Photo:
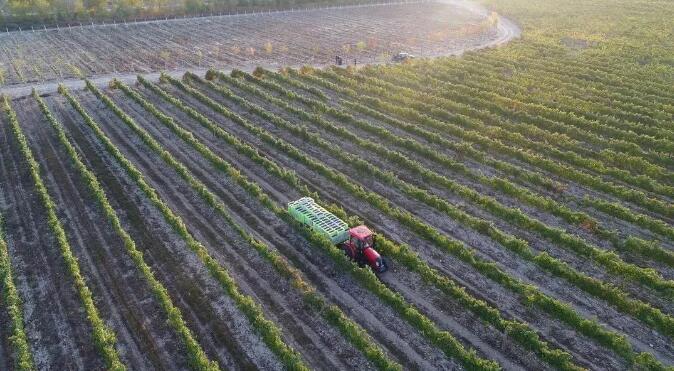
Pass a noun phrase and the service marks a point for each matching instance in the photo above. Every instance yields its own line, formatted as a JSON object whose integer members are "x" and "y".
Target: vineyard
{"x": 523, "y": 195}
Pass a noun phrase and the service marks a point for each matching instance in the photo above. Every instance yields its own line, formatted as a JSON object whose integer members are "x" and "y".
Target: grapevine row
{"x": 10, "y": 296}
{"x": 197, "y": 356}
{"x": 269, "y": 332}
{"x": 104, "y": 337}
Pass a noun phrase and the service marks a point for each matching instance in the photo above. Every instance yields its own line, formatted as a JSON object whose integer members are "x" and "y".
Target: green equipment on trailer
{"x": 358, "y": 243}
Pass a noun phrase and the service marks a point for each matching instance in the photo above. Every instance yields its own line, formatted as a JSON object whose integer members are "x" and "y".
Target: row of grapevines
{"x": 104, "y": 336}
{"x": 12, "y": 300}
{"x": 197, "y": 356}
{"x": 268, "y": 330}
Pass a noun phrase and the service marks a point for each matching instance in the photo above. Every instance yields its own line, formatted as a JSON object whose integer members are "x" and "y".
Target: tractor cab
{"x": 360, "y": 247}
{"x": 361, "y": 237}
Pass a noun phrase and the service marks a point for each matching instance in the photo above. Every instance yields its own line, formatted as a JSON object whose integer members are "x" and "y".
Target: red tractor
{"x": 357, "y": 242}
{"x": 360, "y": 248}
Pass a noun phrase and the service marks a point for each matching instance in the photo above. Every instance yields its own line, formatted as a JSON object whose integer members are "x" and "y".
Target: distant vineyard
{"x": 524, "y": 197}
{"x": 358, "y": 34}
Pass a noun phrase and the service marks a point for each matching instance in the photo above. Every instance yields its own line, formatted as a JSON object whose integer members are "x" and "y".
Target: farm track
{"x": 449, "y": 264}
{"x": 588, "y": 306}
{"x": 55, "y": 322}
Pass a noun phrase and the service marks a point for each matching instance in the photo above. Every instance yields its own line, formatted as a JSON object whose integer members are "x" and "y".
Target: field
{"x": 367, "y": 34}
{"x": 524, "y": 196}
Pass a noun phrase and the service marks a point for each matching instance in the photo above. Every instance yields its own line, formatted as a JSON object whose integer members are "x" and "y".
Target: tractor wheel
{"x": 386, "y": 265}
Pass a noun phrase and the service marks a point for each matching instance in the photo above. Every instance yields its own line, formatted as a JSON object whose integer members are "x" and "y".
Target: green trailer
{"x": 308, "y": 212}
